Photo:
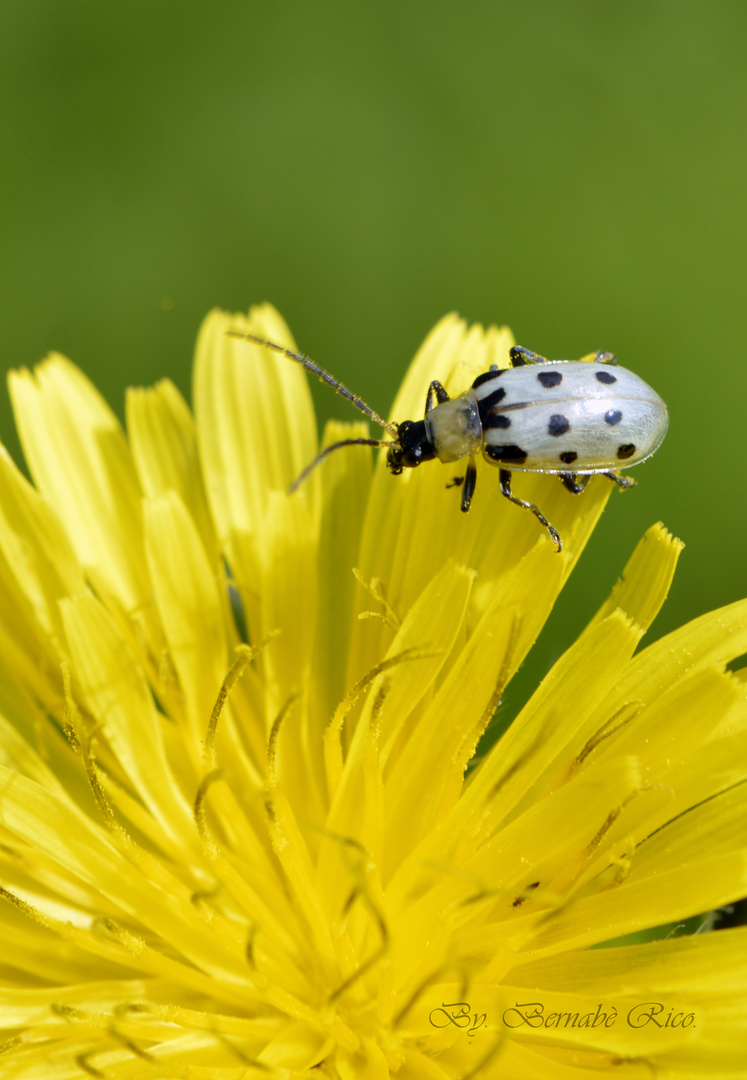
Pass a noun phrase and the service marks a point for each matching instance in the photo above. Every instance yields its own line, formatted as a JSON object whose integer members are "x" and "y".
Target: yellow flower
{"x": 238, "y": 833}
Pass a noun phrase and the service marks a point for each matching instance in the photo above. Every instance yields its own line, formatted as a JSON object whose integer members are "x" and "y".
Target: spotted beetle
{"x": 571, "y": 418}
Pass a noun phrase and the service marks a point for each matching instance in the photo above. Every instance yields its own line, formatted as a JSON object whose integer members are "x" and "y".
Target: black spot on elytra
{"x": 626, "y": 450}
{"x": 568, "y": 457}
{"x": 496, "y": 420}
{"x": 486, "y": 376}
{"x": 606, "y": 377}
{"x": 493, "y": 398}
{"x": 512, "y": 455}
{"x": 558, "y": 425}
{"x": 612, "y": 417}
{"x": 550, "y": 378}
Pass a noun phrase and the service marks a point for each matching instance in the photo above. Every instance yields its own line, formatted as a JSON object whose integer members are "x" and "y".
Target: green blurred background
{"x": 575, "y": 169}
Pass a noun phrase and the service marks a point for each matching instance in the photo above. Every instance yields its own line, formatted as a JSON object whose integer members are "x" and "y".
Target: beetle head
{"x": 413, "y": 446}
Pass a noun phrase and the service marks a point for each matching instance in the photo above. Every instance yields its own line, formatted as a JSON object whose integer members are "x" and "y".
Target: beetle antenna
{"x": 323, "y": 376}
{"x": 328, "y": 450}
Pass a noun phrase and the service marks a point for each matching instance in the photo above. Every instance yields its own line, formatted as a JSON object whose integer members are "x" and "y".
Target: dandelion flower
{"x": 242, "y": 830}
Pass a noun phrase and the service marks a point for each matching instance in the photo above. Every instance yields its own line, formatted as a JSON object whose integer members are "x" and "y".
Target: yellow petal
{"x": 80, "y": 461}
{"x": 164, "y": 449}
{"x": 645, "y": 581}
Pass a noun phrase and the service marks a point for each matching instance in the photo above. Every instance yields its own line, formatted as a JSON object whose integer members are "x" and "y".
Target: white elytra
{"x": 604, "y": 414}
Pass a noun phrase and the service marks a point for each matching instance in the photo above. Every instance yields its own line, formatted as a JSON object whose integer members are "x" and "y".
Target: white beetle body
{"x": 567, "y": 416}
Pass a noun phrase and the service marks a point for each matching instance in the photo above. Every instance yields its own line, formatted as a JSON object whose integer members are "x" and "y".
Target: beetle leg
{"x": 505, "y": 480}
{"x": 621, "y": 481}
{"x": 468, "y": 488}
{"x": 520, "y": 356}
{"x": 435, "y": 389}
{"x": 574, "y": 483}
{"x": 599, "y": 358}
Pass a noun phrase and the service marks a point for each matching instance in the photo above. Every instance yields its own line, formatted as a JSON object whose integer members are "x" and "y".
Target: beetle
{"x": 571, "y": 418}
